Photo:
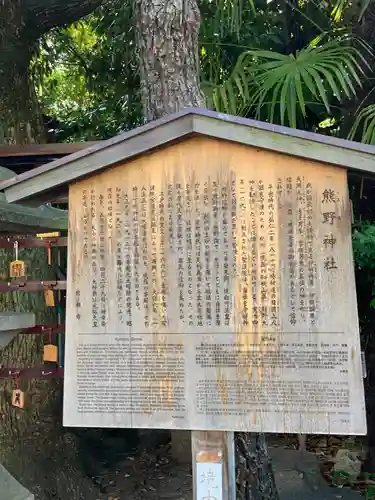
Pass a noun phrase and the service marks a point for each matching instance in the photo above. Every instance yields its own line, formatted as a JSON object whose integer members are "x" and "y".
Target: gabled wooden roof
{"x": 48, "y": 180}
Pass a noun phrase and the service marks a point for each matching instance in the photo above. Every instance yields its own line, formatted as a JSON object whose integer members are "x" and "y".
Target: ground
{"x": 152, "y": 474}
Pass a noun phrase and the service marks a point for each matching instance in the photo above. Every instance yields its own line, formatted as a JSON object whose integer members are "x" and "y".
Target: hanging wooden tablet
{"x": 18, "y": 397}
{"x": 50, "y": 352}
{"x": 17, "y": 268}
{"x": 49, "y": 298}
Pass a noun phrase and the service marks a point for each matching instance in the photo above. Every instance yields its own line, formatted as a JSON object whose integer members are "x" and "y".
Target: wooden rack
{"x": 40, "y": 372}
{"x": 43, "y": 329}
{"x": 22, "y": 285}
{"x": 8, "y": 242}
{"x": 25, "y": 285}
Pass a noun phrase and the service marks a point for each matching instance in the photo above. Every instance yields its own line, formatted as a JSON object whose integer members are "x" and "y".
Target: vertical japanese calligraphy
{"x": 134, "y": 261}
{"x": 163, "y": 265}
{"x": 311, "y": 265}
{"x": 189, "y": 252}
{"x": 102, "y": 266}
{"x": 207, "y": 252}
{"x": 253, "y": 251}
{"x": 244, "y": 255}
{"x": 227, "y": 254}
{"x": 272, "y": 257}
{"x": 144, "y": 257}
{"x": 180, "y": 249}
{"x": 85, "y": 220}
{"x": 119, "y": 254}
{"x": 78, "y": 304}
{"x": 217, "y": 248}
{"x": 291, "y": 222}
{"x": 198, "y": 255}
{"x": 127, "y": 245}
{"x": 301, "y": 248}
{"x": 328, "y": 202}
{"x": 154, "y": 251}
{"x": 94, "y": 260}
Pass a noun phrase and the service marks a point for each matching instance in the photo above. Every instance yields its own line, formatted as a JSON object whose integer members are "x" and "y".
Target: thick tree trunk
{"x": 22, "y": 22}
{"x": 19, "y": 115}
{"x": 255, "y": 479}
{"x": 33, "y": 446}
{"x": 169, "y": 68}
{"x": 168, "y": 33}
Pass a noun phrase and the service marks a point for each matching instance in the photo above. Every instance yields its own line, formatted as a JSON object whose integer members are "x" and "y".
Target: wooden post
{"x": 213, "y": 463}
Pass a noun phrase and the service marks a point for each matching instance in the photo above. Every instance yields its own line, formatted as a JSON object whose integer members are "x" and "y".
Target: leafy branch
{"x": 279, "y": 85}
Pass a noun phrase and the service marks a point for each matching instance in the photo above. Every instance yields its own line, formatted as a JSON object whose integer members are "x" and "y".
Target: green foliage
{"x": 293, "y": 63}
{"x": 364, "y": 245}
{"x": 279, "y": 85}
{"x": 88, "y": 82}
{"x": 297, "y": 63}
{"x": 364, "y": 124}
{"x": 364, "y": 254}
{"x": 341, "y": 6}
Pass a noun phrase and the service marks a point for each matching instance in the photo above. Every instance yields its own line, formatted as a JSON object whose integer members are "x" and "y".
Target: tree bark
{"x": 168, "y": 48}
{"x": 168, "y": 33}
{"x": 42, "y": 15}
{"x": 255, "y": 479}
{"x": 20, "y": 120}
{"x": 33, "y": 445}
{"x": 22, "y": 22}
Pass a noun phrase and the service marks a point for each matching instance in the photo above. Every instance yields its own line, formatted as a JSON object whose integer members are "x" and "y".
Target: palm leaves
{"x": 281, "y": 87}
{"x": 340, "y": 6}
{"x": 229, "y": 14}
{"x": 364, "y": 122}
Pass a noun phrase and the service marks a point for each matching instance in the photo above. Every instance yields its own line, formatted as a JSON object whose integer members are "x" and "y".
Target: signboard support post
{"x": 213, "y": 462}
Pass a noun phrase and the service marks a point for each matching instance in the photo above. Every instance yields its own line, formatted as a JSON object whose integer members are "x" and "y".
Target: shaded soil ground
{"x": 154, "y": 475}
{"x": 148, "y": 476}
{"x": 119, "y": 469}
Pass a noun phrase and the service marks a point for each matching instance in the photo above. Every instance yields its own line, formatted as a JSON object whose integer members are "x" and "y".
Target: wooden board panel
{"x": 211, "y": 287}
{"x": 44, "y": 149}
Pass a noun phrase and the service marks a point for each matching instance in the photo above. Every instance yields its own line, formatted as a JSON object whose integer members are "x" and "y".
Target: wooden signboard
{"x": 211, "y": 287}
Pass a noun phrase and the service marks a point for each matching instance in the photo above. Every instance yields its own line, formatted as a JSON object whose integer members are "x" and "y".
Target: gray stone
{"x": 11, "y": 489}
{"x": 6, "y": 174}
{"x": 298, "y": 477}
{"x": 12, "y": 323}
{"x": 348, "y": 461}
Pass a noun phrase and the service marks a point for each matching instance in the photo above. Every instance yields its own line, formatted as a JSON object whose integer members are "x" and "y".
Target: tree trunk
{"x": 168, "y": 33}
{"x": 255, "y": 479}
{"x": 169, "y": 68}
{"x": 33, "y": 446}
{"x": 19, "y": 115}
